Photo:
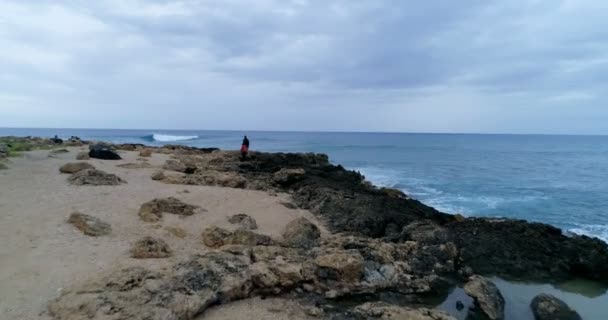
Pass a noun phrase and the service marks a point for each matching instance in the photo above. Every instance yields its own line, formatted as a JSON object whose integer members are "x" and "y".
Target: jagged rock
{"x": 83, "y": 156}
{"x": 547, "y": 307}
{"x": 243, "y": 221}
{"x": 158, "y": 175}
{"x": 89, "y": 225}
{"x": 103, "y": 151}
{"x": 95, "y": 177}
{"x": 248, "y": 238}
{"x": 152, "y": 211}
{"x": 74, "y": 167}
{"x": 381, "y": 310}
{"x": 177, "y": 231}
{"x": 347, "y": 266}
{"x": 486, "y": 296}
{"x": 426, "y": 232}
{"x": 145, "y": 153}
{"x": 214, "y": 237}
{"x": 150, "y": 247}
{"x": 301, "y": 233}
{"x": 288, "y": 176}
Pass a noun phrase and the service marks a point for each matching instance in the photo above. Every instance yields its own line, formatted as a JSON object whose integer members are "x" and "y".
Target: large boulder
{"x": 74, "y": 167}
{"x": 345, "y": 266}
{"x": 486, "y": 296}
{"x": 301, "y": 233}
{"x": 89, "y": 225}
{"x": 243, "y": 221}
{"x": 103, "y": 152}
{"x": 152, "y": 211}
{"x": 547, "y": 307}
{"x": 93, "y": 177}
{"x": 150, "y": 247}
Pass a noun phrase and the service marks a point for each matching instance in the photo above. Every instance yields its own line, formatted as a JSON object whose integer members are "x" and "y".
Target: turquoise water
{"x": 560, "y": 180}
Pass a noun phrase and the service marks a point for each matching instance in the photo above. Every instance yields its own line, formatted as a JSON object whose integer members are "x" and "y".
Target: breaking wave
{"x": 169, "y": 138}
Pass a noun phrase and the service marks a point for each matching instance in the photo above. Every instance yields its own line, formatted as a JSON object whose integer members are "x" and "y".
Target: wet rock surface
{"x": 89, "y": 225}
{"x": 548, "y": 307}
{"x": 74, "y": 167}
{"x": 487, "y": 297}
{"x": 93, "y": 177}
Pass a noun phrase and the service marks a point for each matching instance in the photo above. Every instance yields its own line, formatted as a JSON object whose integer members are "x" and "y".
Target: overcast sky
{"x": 521, "y": 66}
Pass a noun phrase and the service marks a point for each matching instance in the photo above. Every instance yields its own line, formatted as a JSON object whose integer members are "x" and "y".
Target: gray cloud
{"x": 392, "y": 65}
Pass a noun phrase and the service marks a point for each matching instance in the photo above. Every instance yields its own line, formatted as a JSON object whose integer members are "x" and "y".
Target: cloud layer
{"x": 434, "y": 66}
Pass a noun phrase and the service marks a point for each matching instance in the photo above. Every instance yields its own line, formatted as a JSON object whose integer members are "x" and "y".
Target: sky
{"x": 520, "y": 66}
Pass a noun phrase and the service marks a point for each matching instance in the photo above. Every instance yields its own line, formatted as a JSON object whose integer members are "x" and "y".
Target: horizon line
{"x": 319, "y": 131}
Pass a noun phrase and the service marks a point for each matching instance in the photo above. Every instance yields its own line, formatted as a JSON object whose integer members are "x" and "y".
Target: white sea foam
{"x": 380, "y": 176}
{"x": 599, "y": 231}
{"x": 169, "y": 138}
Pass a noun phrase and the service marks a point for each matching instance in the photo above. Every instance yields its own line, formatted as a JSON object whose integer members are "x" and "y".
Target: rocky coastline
{"x": 383, "y": 246}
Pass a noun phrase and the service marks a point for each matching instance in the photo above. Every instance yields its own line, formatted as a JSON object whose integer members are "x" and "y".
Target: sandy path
{"x": 40, "y": 254}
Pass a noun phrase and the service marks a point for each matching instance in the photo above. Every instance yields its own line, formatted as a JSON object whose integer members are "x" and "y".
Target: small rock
{"x": 486, "y": 296}
{"x": 158, "y": 175}
{"x": 89, "y": 225}
{"x": 152, "y": 211}
{"x": 177, "y": 231}
{"x": 313, "y": 311}
{"x": 95, "y": 177}
{"x": 301, "y": 233}
{"x": 55, "y": 152}
{"x": 150, "y": 247}
{"x": 83, "y": 156}
{"x": 137, "y": 165}
{"x": 547, "y": 307}
{"x": 145, "y": 153}
{"x": 214, "y": 237}
{"x": 244, "y": 221}
{"x": 74, "y": 167}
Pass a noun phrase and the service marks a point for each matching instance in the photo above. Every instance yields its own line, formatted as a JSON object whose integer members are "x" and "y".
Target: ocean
{"x": 559, "y": 180}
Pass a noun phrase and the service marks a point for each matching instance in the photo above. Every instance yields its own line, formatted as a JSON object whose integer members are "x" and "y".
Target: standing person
{"x": 244, "y": 148}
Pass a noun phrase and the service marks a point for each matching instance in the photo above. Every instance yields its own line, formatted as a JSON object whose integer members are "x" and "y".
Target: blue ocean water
{"x": 560, "y": 180}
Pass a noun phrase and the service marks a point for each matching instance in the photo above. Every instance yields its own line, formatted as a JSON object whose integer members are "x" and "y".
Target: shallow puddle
{"x": 588, "y": 298}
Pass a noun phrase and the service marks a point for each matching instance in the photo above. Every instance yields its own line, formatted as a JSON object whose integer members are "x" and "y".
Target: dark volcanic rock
{"x": 515, "y": 248}
{"x": 548, "y": 307}
{"x": 103, "y": 151}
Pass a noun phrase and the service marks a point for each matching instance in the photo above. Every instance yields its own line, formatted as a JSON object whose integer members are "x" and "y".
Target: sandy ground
{"x": 41, "y": 254}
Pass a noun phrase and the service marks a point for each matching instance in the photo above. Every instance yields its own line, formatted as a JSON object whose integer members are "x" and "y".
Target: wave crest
{"x": 169, "y": 138}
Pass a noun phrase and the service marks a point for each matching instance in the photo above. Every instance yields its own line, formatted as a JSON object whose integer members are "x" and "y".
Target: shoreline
{"x": 355, "y": 219}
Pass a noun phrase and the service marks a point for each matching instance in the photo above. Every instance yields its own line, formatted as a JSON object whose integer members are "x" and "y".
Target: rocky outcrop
{"x": 487, "y": 297}
{"x": 150, "y": 247}
{"x": 215, "y": 237}
{"x": 103, "y": 151}
{"x": 152, "y": 211}
{"x": 74, "y": 167}
{"x": 301, "y": 233}
{"x": 380, "y": 310}
{"x": 286, "y": 177}
{"x": 89, "y": 225}
{"x": 548, "y": 307}
{"x": 187, "y": 288}
{"x": 243, "y": 221}
{"x": 83, "y": 156}
{"x": 93, "y": 177}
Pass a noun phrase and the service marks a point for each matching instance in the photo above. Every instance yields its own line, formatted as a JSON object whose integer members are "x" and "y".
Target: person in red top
{"x": 244, "y": 148}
